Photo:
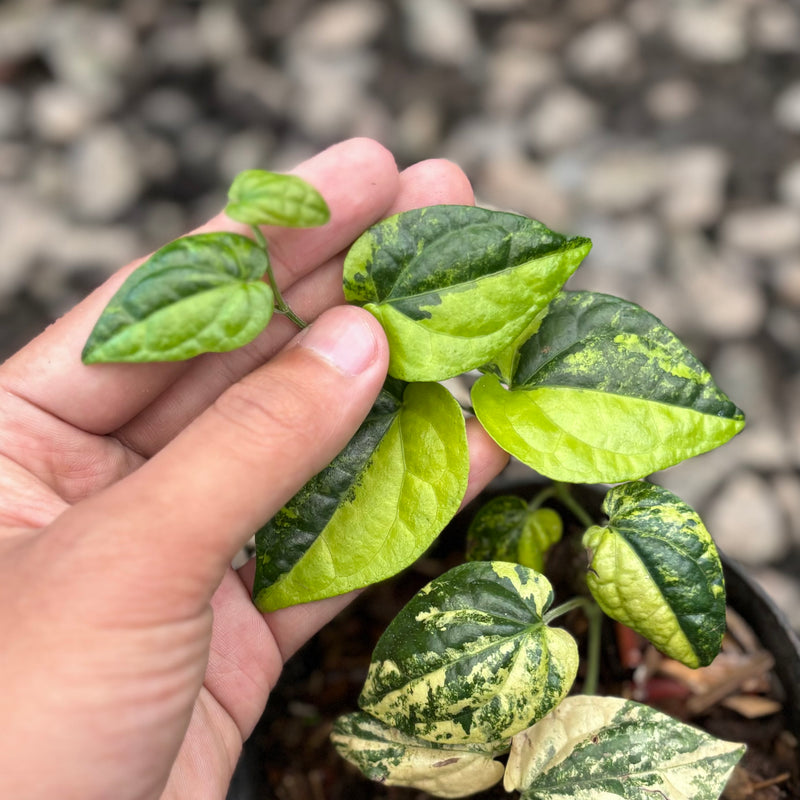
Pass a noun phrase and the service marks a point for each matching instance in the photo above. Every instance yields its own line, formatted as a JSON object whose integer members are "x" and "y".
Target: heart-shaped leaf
{"x": 655, "y": 568}
{"x": 258, "y": 197}
{"x": 375, "y": 508}
{"x": 603, "y": 392}
{"x": 198, "y": 294}
{"x": 470, "y": 658}
{"x": 606, "y": 747}
{"x": 507, "y": 529}
{"x": 386, "y": 755}
{"x": 452, "y": 285}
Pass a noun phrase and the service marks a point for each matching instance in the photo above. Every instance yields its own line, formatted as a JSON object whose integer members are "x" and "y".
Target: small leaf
{"x": 375, "y": 508}
{"x": 452, "y": 285}
{"x": 505, "y": 529}
{"x": 388, "y": 756}
{"x": 469, "y": 659}
{"x": 198, "y": 294}
{"x": 602, "y": 393}
{"x": 655, "y": 569}
{"x": 257, "y": 197}
{"x": 606, "y": 747}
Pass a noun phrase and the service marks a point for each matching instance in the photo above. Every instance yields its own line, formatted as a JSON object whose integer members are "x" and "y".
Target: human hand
{"x": 134, "y": 663}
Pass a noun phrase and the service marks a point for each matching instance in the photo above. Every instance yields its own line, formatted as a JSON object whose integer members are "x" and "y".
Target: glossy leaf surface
{"x": 655, "y": 568}
{"x": 258, "y": 197}
{"x": 469, "y": 659}
{"x": 452, "y": 285}
{"x": 375, "y": 508}
{"x": 198, "y": 294}
{"x": 604, "y": 392}
{"x": 606, "y": 747}
{"x": 506, "y": 529}
{"x": 384, "y": 754}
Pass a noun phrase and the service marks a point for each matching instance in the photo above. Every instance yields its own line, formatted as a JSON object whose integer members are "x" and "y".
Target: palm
{"x": 127, "y": 621}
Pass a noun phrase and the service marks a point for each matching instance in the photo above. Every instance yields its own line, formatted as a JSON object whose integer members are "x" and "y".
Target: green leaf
{"x": 655, "y": 568}
{"x": 375, "y": 508}
{"x": 388, "y": 756}
{"x": 196, "y": 295}
{"x": 469, "y": 659}
{"x": 257, "y": 197}
{"x": 606, "y": 747}
{"x": 506, "y": 529}
{"x": 603, "y": 392}
{"x": 453, "y": 285}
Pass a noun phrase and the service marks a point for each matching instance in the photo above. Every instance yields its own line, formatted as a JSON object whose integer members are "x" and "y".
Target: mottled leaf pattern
{"x": 258, "y": 197}
{"x": 198, "y": 294}
{"x": 604, "y": 392}
{"x": 452, "y": 285}
{"x": 375, "y": 508}
{"x": 386, "y": 755}
{"x": 470, "y": 659}
{"x": 655, "y": 568}
{"x": 592, "y": 748}
{"x": 506, "y": 529}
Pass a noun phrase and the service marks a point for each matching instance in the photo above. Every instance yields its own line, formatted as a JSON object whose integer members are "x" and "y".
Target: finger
{"x": 359, "y": 180}
{"x": 198, "y": 501}
{"x": 426, "y": 183}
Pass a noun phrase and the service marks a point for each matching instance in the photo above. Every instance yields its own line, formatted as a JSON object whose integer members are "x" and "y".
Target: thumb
{"x": 170, "y": 529}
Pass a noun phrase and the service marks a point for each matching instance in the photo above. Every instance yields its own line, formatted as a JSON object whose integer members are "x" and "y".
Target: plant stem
{"x": 594, "y": 617}
{"x": 538, "y": 500}
{"x": 563, "y": 493}
{"x": 281, "y": 306}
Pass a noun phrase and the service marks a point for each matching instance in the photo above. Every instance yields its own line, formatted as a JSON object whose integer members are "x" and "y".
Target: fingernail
{"x": 344, "y": 338}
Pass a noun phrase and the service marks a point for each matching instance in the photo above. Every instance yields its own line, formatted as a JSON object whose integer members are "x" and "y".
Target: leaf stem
{"x": 281, "y": 306}
{"x": 542, "y": 497}
{"x": 563, "y": 493}
{"x": 594, "y": 617}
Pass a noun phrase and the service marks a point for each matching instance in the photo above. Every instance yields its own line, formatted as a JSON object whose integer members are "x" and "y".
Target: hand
{"x": 133, "y": 662}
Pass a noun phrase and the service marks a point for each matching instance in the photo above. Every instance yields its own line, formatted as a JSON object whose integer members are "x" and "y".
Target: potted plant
{"x": 585, "y": 388}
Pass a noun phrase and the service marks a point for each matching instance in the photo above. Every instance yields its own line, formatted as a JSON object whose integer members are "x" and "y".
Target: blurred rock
{"x": 624, "y": 179}
{"x": 714, "y": 31}
{"x": 747, "y": 522}
{"x": 341, "y": 25}
{"x": 762, "y": 231}
{"x": 787, "y": 108}
{"x": 673, "y": 99}
{"x": 789, "y": 184}
{"x": 516, "y": 76}
{"x": 562, "y": 119}
{"x": 60, "y": 113}
{"x": 695, "y": 181}
{"x": 785, "y": 279}
{"x": 784, "y": 591}
{"x": 104, "y": 175}
{"x": 441, "y": 31}
{"x": 12, "y": 110}
{"x": 606, "y": 51}
{"x": 776, "y": 27}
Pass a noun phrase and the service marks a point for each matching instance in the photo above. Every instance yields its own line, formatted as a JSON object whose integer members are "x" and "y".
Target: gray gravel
{"x": 668, "y": 132}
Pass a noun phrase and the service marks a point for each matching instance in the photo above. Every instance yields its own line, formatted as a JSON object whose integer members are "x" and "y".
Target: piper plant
{"x": 580, "y": 386}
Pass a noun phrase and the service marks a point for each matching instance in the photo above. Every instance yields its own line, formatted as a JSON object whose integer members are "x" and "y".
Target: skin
{"x": 133, "y": 662}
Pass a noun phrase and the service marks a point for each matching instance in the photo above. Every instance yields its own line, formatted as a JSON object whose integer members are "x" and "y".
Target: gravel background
{"x": 668, "y": 132}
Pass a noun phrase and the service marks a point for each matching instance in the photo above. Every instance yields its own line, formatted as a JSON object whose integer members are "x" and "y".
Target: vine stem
{"x": 594, "y": 617}
{"x": 281, "y": 306}
{"x": 564, "y": 495}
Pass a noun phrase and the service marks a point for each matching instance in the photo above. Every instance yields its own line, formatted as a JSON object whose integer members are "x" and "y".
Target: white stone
{"x": 12, "y": 107}
{"x": 672, "y": 99}
{"x": 628, "y": 246}
{"x": 789, "y": 185}
{"x": 341, "y": 25}
{"x": 647, "y": 17}
{"x": 695, "y": 186}
{"x": 776, "y": 27}
{"x": 563, "y": 118}
{"x": 785, "y": 278}
{"x": 787, "y": 108}
{"x": 607, "y": 50}
{"x": 221, "y": 31}
{"x": 624, "y": 179}
{"x": 743, "y": 371}
{"x": 516, "y": 75}
{"x": 714, "y": 31}
{"x": 746, "y": 521}
{"x": 104, "y": 176}
{"x": 441, "y": 31}
{"x": 59, "y": 112}
{"x": 169, "y": 109}
{"x": 247, "y": 149}
{"x": 767, "y": 231}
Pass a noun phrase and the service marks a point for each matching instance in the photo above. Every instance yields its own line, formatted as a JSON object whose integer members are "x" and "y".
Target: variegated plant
{"x": 583, "y": 387}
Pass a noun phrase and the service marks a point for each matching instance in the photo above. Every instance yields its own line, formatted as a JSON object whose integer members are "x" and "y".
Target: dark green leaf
{"x": 606, "y": 747}
{"x": 198, "y": 294}
{"x": 506, "y": 529}
{"x": 257, "y": 197}
{"x": 375, "y": 508}
{"x": 604, "y": 392}
{"x": 470, "y": 659}
{"x": 453, "y": 285}
{"x": 654, "y": 568}
{"x": 386, "y": 755}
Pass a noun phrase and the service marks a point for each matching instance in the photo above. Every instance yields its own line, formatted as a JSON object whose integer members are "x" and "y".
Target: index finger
{"x": 359, "y": 181}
